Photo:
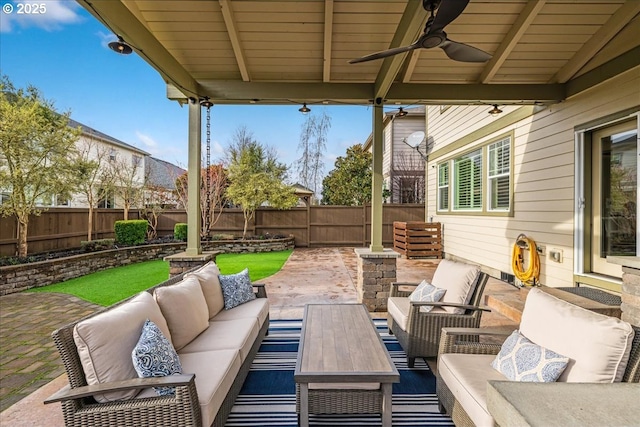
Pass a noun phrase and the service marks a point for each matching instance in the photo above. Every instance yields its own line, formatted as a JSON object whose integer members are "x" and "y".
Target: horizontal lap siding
{"x": 543, "y": 181}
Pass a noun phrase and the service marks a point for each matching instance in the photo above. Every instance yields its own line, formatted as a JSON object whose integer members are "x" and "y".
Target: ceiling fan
{"x": 434, "y": 35}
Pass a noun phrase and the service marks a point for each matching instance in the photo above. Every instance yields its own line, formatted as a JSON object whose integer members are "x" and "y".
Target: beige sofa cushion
{"x": 466, "y": 376}
{"x": 208, "y": 277}
{"x": 254, "y": 309}
{"x": 239, "y": 334}
{"x": 215, "y": 373}
{"x": 598, "y": 346}
{"x": 105, "y": 342}
{"x": 458, "y": 279}
{"x": 186, "y": 311}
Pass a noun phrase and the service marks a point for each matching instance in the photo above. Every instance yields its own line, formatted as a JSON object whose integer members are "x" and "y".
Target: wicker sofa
{"x": 102, "y": 390}
{"x": 600, "y": 349}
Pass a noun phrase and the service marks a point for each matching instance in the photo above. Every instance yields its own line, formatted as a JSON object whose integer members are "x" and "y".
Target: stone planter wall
{"x": 17, "y": 278}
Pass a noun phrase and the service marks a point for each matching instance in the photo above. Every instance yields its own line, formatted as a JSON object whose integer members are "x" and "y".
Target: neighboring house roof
{"x": 86, "y": 130}
{"x": 162, "y": 174}
{"x": 413, "y": 111}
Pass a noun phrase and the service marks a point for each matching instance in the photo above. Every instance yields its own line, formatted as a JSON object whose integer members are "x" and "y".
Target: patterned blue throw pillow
{"x": 236, "y": 289}
{"x": 520, "y": 359}
{"x": 426, "y": 292}
{"x": 154, "y": 356}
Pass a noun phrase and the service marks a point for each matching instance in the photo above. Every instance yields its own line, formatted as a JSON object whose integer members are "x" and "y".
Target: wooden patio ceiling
{"x": 288, "y": 51}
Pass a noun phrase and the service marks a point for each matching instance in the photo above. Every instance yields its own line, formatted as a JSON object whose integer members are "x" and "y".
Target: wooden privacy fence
{"x": 417, "y": 239}
{"x": 315, "y": 226}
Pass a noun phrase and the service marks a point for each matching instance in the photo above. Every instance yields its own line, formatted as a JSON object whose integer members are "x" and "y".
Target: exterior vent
{"x": 506, "y": 277}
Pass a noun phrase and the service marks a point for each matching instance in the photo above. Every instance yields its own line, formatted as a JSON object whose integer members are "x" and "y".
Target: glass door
{"x": 615, "y": 196}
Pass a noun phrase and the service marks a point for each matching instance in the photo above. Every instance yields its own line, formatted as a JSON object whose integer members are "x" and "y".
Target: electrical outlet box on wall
{"x": 556, "y": 255}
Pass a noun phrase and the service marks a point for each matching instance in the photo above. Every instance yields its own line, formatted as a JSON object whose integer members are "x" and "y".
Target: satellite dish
{"x": 415, "y": 139}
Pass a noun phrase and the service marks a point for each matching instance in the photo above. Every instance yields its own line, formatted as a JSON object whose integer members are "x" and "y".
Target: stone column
{"x": 376, "y": 272}
{"x": 630, "y": 288}
{"x": 181, "y": 262}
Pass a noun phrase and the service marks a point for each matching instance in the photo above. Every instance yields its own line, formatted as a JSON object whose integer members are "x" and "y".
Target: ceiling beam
{"x": 411, "y": 65}
{"x": 608, "y": 31}
{"x": 519, "y": 27}
{"x": 236, "y": 92}
{"x": 328, "y": 40}
{"x": 230, "y": 22}
{"x": 413, "y": 18}
{"x": 119, "y": 19}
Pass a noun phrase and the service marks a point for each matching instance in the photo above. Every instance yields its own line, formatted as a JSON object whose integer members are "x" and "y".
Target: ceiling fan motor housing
{"x": 429, "y": 41}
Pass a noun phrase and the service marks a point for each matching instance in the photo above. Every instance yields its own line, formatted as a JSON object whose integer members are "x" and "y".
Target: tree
{"x": 127, "y": 183}
{"x": 218, "y": 183}
{"x": 313, "y": 138}
{"x": 349, "y": 183}
{"x": 35, "y": 142}
{"x": 93, "y": 176}
{"x": 156, "y": 198}
{"x": 256, "y": 177}
{"x": 407, "y": 179}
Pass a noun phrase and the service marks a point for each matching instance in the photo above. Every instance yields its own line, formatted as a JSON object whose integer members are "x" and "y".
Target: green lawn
{"x": 110, "y": 286}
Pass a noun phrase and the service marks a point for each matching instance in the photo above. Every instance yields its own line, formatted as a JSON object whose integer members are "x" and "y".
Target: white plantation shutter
{"x": 498, "y": 175}
{"x": 467, "y": 175}
{"x": 443, "y": 187}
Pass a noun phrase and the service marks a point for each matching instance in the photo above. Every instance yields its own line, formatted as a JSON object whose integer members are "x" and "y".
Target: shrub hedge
{"x": 131, "y": 232}
{"x": 180, "y": 231}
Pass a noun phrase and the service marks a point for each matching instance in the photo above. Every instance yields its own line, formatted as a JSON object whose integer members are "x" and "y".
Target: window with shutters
{"x": 499, "y": 172}
{"x": 478, "y": 181}
{"x": 467, "y": 179}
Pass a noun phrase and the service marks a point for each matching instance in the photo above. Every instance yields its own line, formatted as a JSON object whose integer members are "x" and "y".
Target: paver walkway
{"x": 29, "y": 359}
{"x": 28, "y": 356}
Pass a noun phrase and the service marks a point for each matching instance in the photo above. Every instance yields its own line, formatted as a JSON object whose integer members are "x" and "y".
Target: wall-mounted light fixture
{"x": 414, "y": 141}
{"x": 495, "y": 110}
{"x": 304, "y": 109}
{"x": 120, "y": 47}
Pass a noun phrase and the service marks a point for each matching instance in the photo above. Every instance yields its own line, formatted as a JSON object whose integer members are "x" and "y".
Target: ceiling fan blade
{"x": 385, "y": 53}
{"x": 463, "y": 52}
{"x": 447, "y": 12}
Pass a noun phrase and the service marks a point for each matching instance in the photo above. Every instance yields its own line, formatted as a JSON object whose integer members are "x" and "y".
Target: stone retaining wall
{"x": 17, "y": 278}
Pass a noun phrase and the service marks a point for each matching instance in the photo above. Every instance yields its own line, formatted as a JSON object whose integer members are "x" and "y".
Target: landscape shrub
{"x": 180, "y": 231}
{"x": 131, "y": 232}
{"x": 97, "y": 245}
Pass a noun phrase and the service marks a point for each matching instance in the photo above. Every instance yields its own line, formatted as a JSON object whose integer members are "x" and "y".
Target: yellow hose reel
{"x": 530, "y": 276}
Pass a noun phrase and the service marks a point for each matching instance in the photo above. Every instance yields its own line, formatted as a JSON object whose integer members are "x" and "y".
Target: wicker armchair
{"x": 456, "y": 340}
{"x": 421, "y": 336}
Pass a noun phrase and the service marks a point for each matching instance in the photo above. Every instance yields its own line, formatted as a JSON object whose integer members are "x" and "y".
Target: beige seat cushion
{"x": 238, "y": 334}
{"x": 466, "y": 376}
{"x": 255, "y": 309}
{"x": 598, "y": 346}
{"x": 186, "y": 311}
{"x": 105, "y": 342}
{"x": 208, "y": 277}
{"x": 398, "y": 308}
{"x": 215, "y": 373}
{"x": 458, "y": 279}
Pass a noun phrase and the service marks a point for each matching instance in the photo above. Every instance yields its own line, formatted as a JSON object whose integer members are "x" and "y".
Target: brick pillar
{"x": 181, "y": 262}
{"x": 376, "y": 272}
{"x": 630, "y": 288}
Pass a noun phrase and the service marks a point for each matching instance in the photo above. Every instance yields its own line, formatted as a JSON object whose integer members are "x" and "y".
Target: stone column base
{"x": 630, "y": 288}
{"x": 181, "y": 262}
{"x": 376, "y": 272}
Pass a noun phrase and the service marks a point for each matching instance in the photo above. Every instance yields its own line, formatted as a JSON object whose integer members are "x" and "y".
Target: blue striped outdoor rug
{"x": 268, "y": 395}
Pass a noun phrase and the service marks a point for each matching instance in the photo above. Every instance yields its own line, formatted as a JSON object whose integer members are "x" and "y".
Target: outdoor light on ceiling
{"x": 401, "y": 113}
{"x": 304, "y": 109}
{"x": 415, "y": 141}
{"x": 120, "y": 47}
{"x": 495, "y": 110}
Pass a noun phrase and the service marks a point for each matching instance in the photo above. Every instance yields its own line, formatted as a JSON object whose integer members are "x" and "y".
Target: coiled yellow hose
{"x": 532, "y": 273}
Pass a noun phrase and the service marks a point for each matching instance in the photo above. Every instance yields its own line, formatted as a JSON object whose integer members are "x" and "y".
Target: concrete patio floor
{"x": 323, "y": 276}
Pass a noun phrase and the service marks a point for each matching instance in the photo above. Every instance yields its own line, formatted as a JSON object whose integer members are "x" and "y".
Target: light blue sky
{"x": 64, "y": 53}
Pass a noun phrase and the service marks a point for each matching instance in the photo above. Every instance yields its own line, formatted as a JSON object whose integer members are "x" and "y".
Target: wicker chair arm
{"x": 452, "y": 340}
{"x": 396, "y": 292}
{"x": 67, "y": 393}
{"x": 450, "y": 304}
{"x": 261, "y": 290}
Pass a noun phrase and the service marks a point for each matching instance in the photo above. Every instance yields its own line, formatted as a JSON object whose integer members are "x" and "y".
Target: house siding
{"x": 544, "y": 169}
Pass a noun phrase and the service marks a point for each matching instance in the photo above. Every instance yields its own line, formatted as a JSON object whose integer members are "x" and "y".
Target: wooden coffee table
{"x": 343, "y": 366}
